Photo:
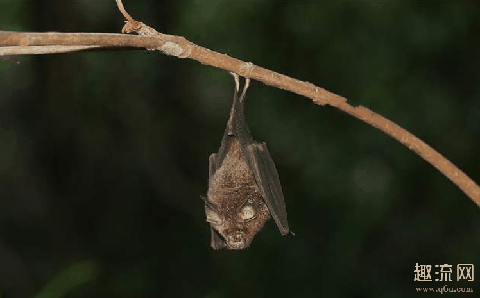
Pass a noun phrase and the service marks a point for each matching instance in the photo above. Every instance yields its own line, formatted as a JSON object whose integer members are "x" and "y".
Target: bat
{"x": 244, "y": 188}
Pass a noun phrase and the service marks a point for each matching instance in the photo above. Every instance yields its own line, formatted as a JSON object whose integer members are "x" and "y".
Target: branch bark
{"x": 18, "y": 43}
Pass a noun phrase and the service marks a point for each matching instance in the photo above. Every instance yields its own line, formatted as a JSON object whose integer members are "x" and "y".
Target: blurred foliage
{"x": 77, "y": 274}
{"x": 103, "y": 156}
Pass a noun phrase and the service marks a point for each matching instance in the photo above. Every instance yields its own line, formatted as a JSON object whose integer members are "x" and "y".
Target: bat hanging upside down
{"x": 244, "y": 189}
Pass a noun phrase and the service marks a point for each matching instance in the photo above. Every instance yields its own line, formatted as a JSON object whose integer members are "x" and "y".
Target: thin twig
{"x": 123, "y": 11}
{"x": 16, "y": 43}
{"x": 5, "y": 51}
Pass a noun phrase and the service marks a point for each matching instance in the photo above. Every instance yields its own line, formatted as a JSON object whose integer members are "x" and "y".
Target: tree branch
{"x": 17, "y": 43}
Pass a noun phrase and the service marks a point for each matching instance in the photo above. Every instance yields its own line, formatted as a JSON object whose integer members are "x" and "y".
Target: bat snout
{"x": 236, "y": 240}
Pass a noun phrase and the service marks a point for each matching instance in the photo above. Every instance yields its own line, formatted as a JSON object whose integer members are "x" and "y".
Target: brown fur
{"x": 229, "y": 188}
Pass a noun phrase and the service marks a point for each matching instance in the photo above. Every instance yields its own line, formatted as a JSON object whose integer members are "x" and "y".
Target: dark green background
{"x": 104, "y": 156}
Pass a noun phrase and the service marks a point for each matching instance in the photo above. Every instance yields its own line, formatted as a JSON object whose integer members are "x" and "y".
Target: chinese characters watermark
{"x": 464, "y": 272}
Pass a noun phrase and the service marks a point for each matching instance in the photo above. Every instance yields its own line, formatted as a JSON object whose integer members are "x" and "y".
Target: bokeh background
{"x": 104, "y": 156}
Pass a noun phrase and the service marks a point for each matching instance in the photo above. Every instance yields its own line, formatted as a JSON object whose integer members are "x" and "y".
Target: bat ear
{"x": 217, "y": 242}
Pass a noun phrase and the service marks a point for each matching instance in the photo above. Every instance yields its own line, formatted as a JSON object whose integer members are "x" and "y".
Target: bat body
{"x": 244, "y": 188}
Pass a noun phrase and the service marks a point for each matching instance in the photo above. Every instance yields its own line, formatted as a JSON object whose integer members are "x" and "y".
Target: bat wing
{"x": 217, "y": 242}
{"x": 268, "y": 183}
{"x": 212, "y": 167}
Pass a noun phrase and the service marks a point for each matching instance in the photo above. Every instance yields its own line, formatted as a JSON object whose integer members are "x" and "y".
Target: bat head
{"x": 236, "y": 215}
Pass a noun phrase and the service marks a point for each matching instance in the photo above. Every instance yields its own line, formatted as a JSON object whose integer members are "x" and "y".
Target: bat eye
{"x": 247, "y": 212}
{"x": 212, "y": 217}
